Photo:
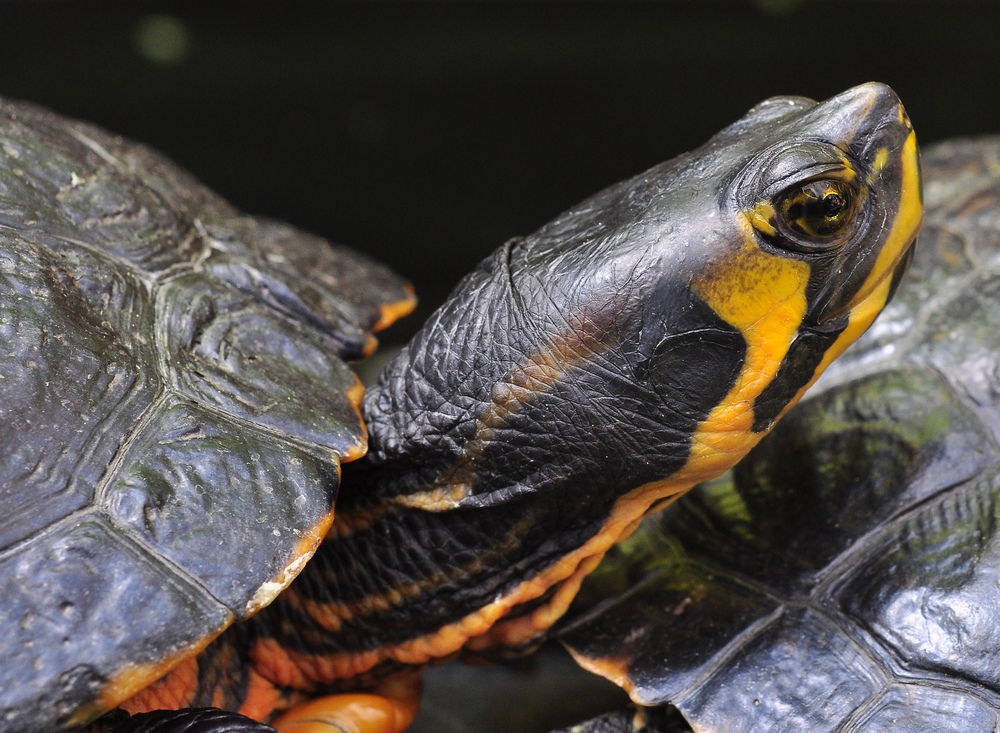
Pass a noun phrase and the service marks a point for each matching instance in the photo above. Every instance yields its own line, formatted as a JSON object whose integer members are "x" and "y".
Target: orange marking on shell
{"x": 171, "y": 682}
{"x": 304, "y": 549}
{"x": 137, "y": 680}
{"x": 389, "y": 313}
{"x": 355, "y": 394}
{"x": 370, "y": 347}
{"x": 612, "y": 668}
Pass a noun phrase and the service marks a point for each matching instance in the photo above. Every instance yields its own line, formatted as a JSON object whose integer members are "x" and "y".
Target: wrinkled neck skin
{"x": 510, "y": 445}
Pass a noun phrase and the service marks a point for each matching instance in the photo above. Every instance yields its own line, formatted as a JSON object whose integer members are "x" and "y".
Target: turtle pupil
{"x": 833, "y": 204}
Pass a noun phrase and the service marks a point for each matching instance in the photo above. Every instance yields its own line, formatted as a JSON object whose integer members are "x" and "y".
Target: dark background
{"x": 428, "y": 133}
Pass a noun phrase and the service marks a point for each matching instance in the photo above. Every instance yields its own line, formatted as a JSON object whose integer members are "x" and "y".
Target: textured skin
{"x": 569, "y": 368}
{"x": 174, "y": 395}
{"x": 193, "y": 720}
{"x": 845, "y": 576}
{"x": 563, "y": 392}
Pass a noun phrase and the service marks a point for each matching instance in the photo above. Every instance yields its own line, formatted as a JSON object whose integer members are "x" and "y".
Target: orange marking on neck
{"x": 263, "y": 699}
{"x": 331, "y": 615}
{"x": 172, "y": 692}
{"x": 523, "y": 629}
{"x": 286, "y": 667}
{"x": 356, "y": 519}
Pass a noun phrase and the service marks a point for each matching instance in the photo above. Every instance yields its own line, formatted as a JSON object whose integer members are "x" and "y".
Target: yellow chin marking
{"x": 874, "y": 292}
{"x": 904, "y": 227}
{"x": 764, "y": 297}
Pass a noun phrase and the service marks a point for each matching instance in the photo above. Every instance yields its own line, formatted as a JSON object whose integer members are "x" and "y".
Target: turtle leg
{"x": 389, "y": 709}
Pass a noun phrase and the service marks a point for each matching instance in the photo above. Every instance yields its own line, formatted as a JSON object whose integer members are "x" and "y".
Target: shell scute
{"x": 75, "y": 378}
{"x": 225, "y": 349}
{"x": 198, "y": 490}
{"x": 55, "y": 593}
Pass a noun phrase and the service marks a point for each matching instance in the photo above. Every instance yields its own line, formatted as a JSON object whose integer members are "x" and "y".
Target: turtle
{"x": 844, "y": 576}
{"x": 177, "y": 393}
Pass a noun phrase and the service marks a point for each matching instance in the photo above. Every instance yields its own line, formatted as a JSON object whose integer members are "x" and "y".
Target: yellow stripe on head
{"x": 763, "y": 295}
{"x": 874, "y": 292}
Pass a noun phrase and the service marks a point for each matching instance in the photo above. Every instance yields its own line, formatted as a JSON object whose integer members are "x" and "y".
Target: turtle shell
{"x": 845, "y": 576}
{"x": 175, "y": 407}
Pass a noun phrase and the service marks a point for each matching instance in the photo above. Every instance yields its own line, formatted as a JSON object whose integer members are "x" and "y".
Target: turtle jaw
{"x": 885, "y": 146}
{"x": 894, "y": 258}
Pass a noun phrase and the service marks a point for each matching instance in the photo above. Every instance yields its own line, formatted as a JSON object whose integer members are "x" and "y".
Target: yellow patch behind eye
{"x": 764, "y": 297}
{"x": 760, "y": 218}
{"x": 881, "y": 158}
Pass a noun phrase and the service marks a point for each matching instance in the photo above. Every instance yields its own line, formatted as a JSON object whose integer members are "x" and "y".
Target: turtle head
{"x": 835, "y": 185}
{"x": 813, "y": 209}
{"x": 641, "y": 342}
{"x": 656, "y": 331}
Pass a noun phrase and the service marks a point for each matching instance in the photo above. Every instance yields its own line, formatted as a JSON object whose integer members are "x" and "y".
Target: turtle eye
{"x": 819, "y": 209}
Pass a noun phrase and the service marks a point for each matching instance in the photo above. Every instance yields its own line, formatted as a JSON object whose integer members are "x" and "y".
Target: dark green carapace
{"x": 845, "y": 576}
